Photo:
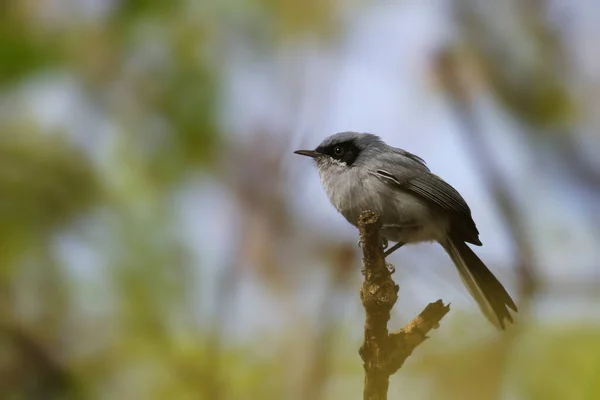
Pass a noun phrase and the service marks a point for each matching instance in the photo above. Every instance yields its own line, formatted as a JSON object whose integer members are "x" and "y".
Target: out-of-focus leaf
{"x": 468, "y": 372}
{"x": 184, "y": 94}
{"x": 22, "y": 51}
{"x": 297, "y": 16}
{"x": 538, "y": 98}
{"x": 43, "y": 180}
{"x": 519, "y": 53}
{"x": 189, "y": 104}
{"x": 559, "y": 364}
{"x": 128, "y": 10}
{"x": 542, "y": 362}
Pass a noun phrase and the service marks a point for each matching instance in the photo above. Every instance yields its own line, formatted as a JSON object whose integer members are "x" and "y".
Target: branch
{"x": 407, "y": 339}
{"x": 378, "y": 294}
{"x": 383, "y": 353}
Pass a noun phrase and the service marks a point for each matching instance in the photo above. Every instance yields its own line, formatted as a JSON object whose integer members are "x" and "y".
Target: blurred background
{"x": 158, "y": 238}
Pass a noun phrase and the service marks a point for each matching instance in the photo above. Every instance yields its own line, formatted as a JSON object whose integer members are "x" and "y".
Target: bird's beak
{"x": 308, "y": 153}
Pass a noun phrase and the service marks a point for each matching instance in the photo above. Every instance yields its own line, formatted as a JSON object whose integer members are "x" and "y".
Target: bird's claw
{"x": 384, "y": 243}
{"x": 390, "y": 268}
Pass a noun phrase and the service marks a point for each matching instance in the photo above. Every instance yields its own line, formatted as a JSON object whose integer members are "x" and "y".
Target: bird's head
{"x": 342, "y": 150}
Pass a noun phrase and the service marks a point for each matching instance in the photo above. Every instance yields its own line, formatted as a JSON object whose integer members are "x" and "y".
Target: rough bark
{"x": 384, "y": 353}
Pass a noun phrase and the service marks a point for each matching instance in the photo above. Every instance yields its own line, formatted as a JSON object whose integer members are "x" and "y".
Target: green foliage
{"x": 190, "y": 97}
{"x": 22, "y": 53}
{"x": 539, "y": 98}
{"x": 43, "y": 180}
{"x": 129, "y": 9}
{"x": 538, "y": 362}
{"x": 292, "y": 17}
{"x": 44, "y": 183}
{"x": 521, "y": 63}
{"x": 559, "y": 363}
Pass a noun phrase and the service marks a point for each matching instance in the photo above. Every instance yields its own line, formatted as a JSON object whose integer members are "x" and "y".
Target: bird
{"x": 359, "y": 172}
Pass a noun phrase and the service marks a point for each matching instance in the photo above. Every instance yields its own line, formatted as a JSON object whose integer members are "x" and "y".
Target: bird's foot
{"x": 390, "y": 268}
{"x": 384, "y": 243}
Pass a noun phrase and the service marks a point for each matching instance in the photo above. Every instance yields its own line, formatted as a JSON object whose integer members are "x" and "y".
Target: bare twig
{"x": 383, "y": 354}
{"x": 407, "y": 339}
{"x": 378, "y": 294}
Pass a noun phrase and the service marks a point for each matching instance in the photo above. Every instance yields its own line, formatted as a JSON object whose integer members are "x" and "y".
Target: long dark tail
{"x": 489, "y": 293}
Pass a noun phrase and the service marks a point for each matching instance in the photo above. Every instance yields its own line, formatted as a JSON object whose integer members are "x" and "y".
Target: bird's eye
{"x": 338, "y": 151}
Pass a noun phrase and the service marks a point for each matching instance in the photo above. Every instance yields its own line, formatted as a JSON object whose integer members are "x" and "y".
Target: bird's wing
{"x": 436, "y": 191}
{"x": 411, "y": 175}
{"x": 412, "y": 156}
{"x": 409, "y": 158}
{"x": 429, "y": 187}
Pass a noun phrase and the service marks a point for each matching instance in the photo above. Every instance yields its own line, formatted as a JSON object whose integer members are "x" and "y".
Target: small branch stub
{"x": 384, "y": 353}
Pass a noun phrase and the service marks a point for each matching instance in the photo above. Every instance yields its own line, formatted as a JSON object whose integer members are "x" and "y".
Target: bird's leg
{"x": 393, "y": 249}
{"x": 404, "y": 228}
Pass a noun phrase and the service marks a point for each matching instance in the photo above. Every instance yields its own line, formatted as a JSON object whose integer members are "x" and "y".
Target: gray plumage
{"x": 361, "y": 172}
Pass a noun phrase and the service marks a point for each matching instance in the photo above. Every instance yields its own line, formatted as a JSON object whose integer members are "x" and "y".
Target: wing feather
{"x": 438, "y": 191}
{"x": 430, "y": 187}
{"x": 410, "y": 174}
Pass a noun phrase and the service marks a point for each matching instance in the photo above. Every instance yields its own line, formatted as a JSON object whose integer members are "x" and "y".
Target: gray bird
{"x": 359, "y": 171}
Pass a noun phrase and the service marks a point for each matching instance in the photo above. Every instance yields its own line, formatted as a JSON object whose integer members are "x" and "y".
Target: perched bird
{"x": 359, "y": 172}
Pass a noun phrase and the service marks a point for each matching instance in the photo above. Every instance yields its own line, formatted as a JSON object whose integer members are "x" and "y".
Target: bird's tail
{"x": 489, "y": 293}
